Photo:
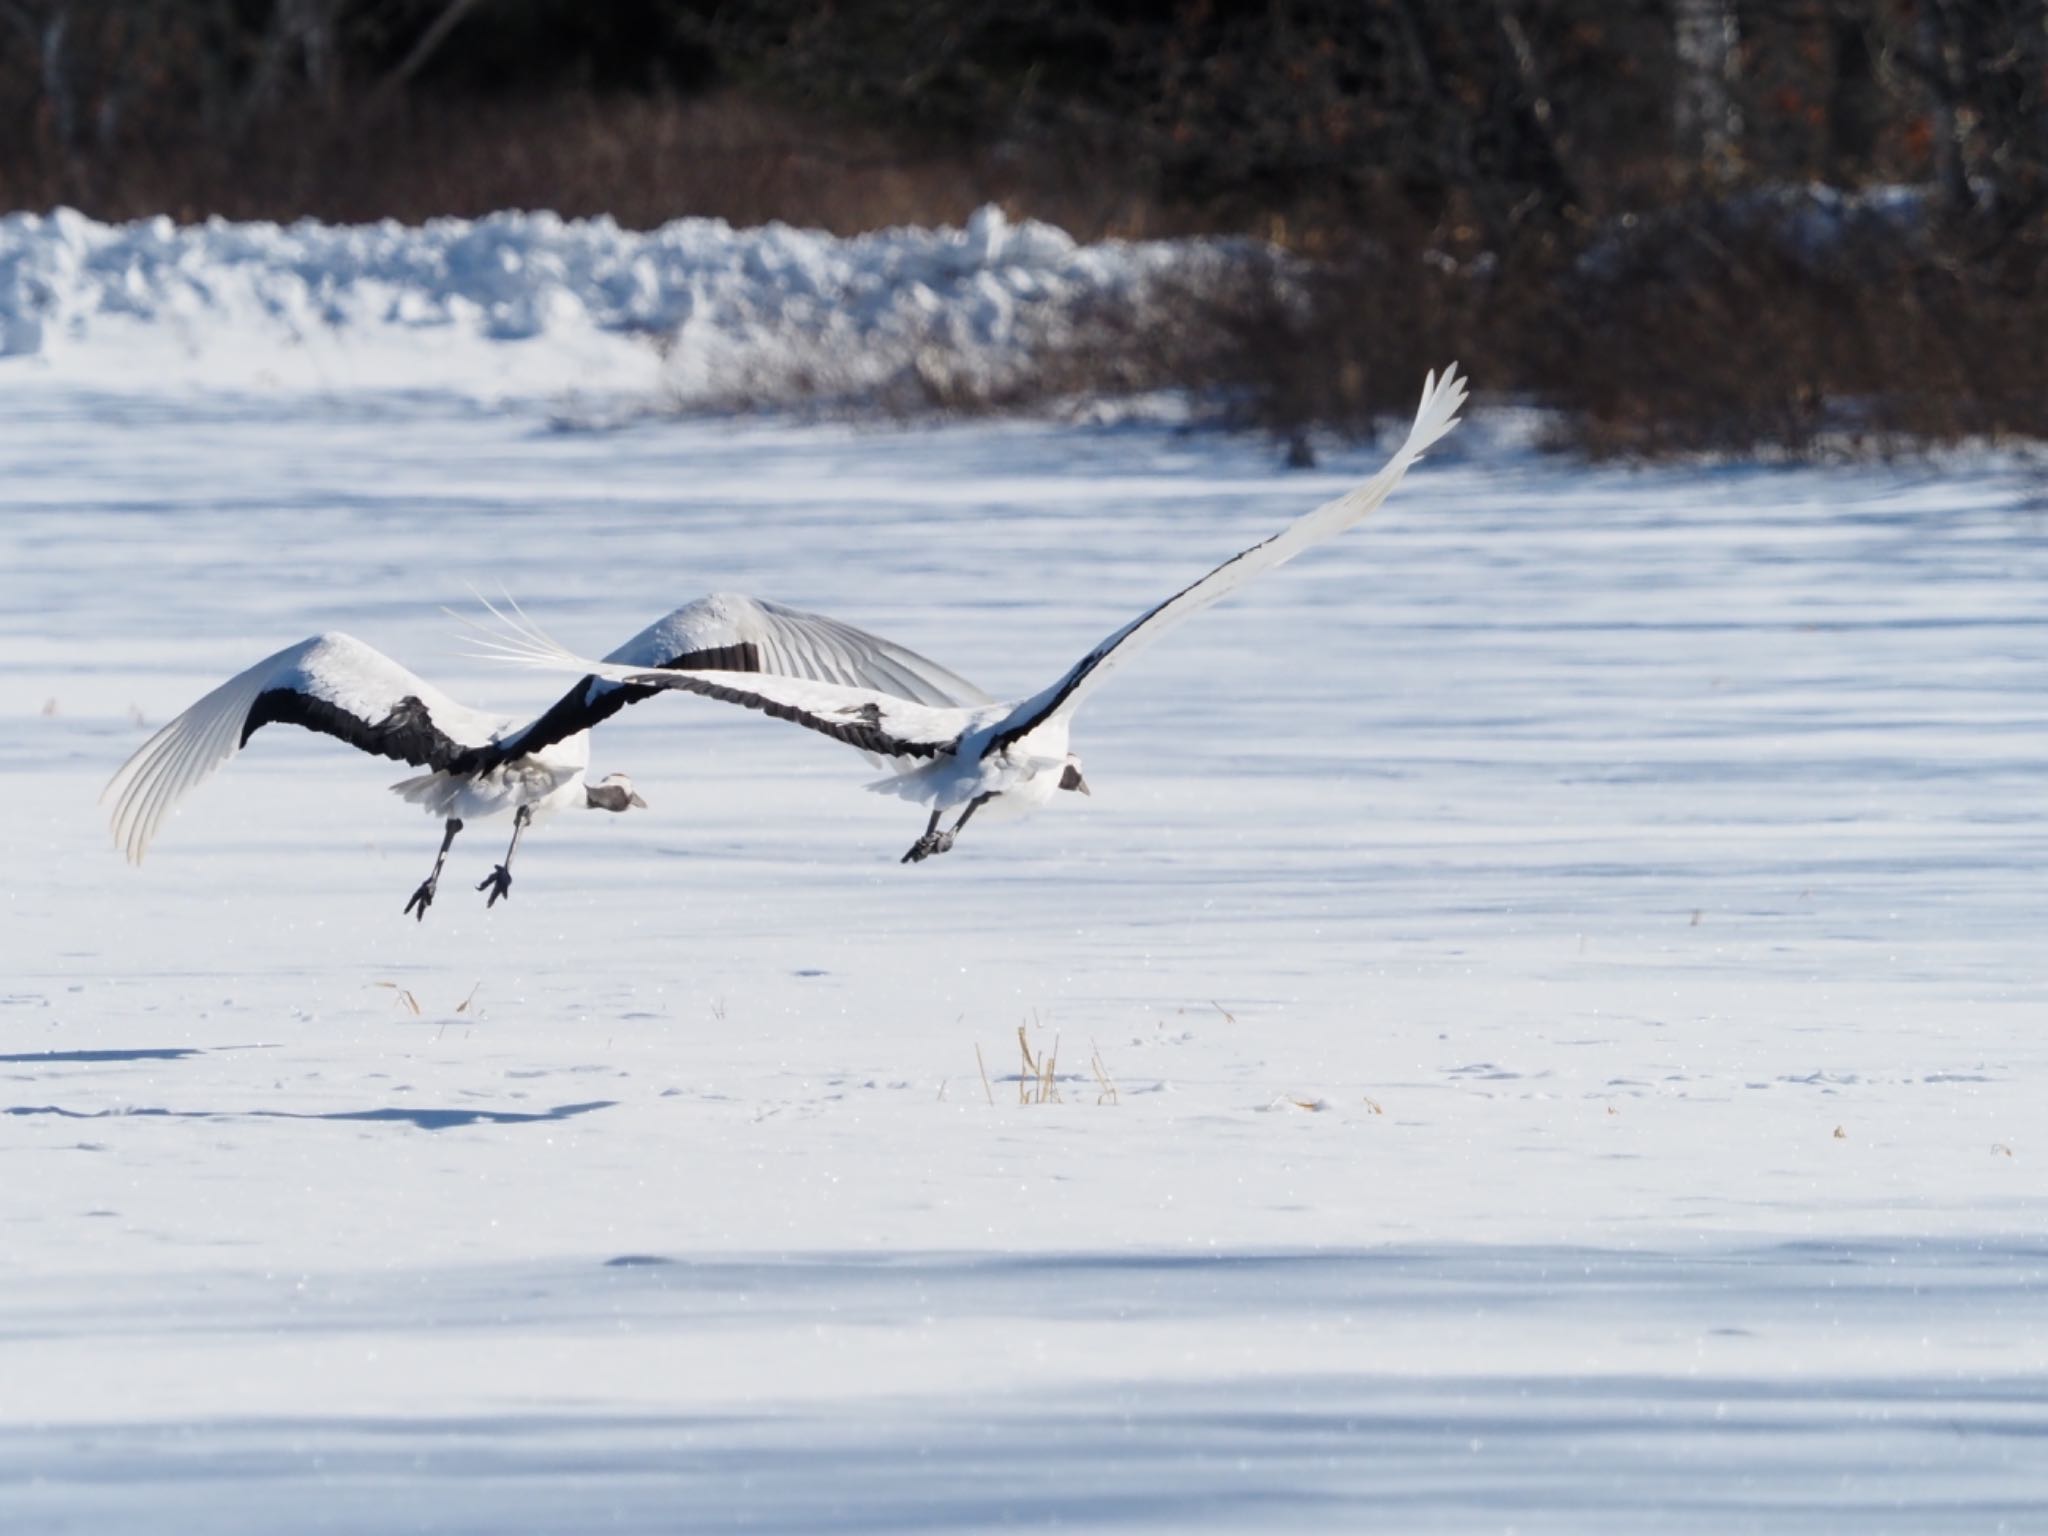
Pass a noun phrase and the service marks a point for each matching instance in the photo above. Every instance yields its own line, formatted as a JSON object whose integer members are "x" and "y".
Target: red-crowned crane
{"x": 480, "y": 764}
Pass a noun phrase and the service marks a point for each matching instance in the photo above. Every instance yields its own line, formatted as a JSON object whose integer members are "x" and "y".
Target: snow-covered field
{"x": 1570, "y": 959}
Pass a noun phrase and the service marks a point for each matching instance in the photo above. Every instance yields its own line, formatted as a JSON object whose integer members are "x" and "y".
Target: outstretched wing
{"x": 1437, "y": 414}
{"x": 729, "y": 632}
{"x": 878, "y": 724}
{"x": 770, "y": 637}
{"x": 874, "y": 722}
{"x": 330, "y": 683}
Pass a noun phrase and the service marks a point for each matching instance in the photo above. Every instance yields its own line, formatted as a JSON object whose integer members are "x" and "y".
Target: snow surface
{"x": 1569, "y": 956}
{"x": 520, "y": 304}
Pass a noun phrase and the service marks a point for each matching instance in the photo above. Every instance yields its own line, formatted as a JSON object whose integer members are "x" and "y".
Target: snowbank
{"x": 526, "y": 303}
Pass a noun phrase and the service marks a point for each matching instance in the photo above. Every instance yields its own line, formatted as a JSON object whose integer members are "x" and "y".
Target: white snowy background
{"x": 1570, "y": 955}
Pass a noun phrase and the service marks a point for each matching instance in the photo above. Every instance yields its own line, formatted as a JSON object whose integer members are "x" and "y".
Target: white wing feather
{"x": 334, "y": 668}
{"x": 798, "y": 644}
{"x": 1437, "y": 414}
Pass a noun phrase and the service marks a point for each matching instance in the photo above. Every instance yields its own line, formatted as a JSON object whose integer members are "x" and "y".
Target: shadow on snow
{"x": 425, "y": 1119}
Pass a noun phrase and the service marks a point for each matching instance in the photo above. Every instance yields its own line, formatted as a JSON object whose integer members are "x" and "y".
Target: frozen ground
{"x": 1570, "y": 957}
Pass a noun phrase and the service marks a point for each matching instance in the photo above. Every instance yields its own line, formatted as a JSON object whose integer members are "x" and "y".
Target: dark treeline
{"x": 1605, "y": 203}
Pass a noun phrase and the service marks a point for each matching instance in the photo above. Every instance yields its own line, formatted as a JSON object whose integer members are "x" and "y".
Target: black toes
{"x": 498, "y": 882}
{"x": 421, "y": 900}
{"x": 926, "y": 846}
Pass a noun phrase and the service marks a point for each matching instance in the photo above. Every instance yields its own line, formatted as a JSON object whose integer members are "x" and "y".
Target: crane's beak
{"x": 635, "y": 799}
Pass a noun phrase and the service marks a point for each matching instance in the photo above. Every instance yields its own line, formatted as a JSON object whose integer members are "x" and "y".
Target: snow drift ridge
{"x": 532, "y": 303}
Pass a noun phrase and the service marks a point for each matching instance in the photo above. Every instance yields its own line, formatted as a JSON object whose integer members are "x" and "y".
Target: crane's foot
{"x": 926, "y": 846}
{"x": 498, "y": 882}
{"x": 422, "y": 899}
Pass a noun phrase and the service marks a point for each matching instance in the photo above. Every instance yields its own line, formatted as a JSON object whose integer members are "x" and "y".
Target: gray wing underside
{"x": 792, "y": 643}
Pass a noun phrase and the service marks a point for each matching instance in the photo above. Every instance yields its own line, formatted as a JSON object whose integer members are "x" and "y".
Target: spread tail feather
{"x": 916, "y": 786}
{"x": 436, "y": 791}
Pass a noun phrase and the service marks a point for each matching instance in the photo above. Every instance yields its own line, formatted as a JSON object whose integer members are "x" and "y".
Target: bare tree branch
{"x": 429, "y": 43}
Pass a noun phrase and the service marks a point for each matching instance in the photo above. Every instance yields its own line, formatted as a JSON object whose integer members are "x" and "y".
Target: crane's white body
{"x": 1020, "y": 777}
{"x": 553, "y": 778}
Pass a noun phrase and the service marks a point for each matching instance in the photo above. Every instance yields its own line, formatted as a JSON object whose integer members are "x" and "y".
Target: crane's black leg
{"x": 499, "y": 881}
{"x": 423, "y": 898}
{"x": 935, "y": 841}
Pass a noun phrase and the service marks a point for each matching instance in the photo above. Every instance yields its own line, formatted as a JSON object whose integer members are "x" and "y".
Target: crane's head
{"x": 615, "y": 793}
{"x": 1070, "y": 776}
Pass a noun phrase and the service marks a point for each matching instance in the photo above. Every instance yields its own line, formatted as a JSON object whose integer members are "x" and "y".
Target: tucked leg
{"x": 499, "y": 881}
{"x": 424, "y": 896}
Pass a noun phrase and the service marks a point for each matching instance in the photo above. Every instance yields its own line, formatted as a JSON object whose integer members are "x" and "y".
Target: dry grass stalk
{"x": 1038, "y": 1079}
{"x": 1108, "y": 1095}
{"x": 404, "y": 994}
{"x": 1030, "y": 1071}
{"x": 1038, "y": 1083}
